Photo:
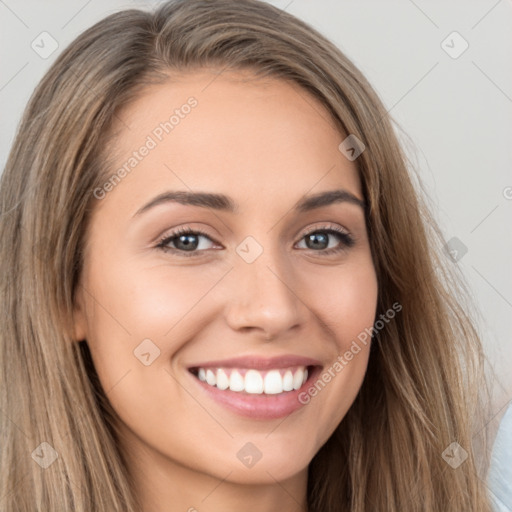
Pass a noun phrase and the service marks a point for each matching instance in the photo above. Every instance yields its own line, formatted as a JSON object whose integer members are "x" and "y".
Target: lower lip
{"x": 264, "y": 407}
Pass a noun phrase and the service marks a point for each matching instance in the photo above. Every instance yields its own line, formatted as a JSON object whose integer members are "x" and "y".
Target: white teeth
{"x": 273, "y": 383}
{"x": 270, "y": 382}
{"x": 253, "y": 382}
{"x": 297, "y": 379}
{"x": 288, "y": 381}
{"x": 210, "y": 378}
{"x": 236, "y": 381}
{"x": 222, "y": 379}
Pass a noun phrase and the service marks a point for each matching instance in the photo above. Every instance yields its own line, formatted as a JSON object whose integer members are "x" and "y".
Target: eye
{"x": 185, "y": 240}
{"x": 318, "y": 240}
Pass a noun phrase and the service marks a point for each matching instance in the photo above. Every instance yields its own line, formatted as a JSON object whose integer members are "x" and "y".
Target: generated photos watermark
{"x": 152, "y": 140}
{"x": 343, "y": 360}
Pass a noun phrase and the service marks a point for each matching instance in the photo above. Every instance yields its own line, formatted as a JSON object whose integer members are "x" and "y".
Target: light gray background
{"x": 456, "y": 112}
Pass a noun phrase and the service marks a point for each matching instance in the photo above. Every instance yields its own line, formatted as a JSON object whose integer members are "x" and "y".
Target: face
{"x": 218, "y": 325}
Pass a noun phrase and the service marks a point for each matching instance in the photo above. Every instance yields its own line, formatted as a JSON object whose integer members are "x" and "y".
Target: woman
{"x": 175, "y": 334}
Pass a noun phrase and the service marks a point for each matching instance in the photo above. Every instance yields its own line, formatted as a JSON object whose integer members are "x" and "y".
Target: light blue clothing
{"x": 500, "y": 471}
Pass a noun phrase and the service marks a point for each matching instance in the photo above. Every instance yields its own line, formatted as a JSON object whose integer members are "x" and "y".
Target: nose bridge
{"x": 263, "y": 298}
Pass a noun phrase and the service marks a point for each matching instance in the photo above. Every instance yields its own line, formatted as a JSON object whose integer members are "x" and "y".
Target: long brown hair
{"x": 420, "y": 393}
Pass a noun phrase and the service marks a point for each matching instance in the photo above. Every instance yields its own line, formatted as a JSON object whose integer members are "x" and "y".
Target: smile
{"x": 260, "y": 388}
{"x": 252, "y": 381}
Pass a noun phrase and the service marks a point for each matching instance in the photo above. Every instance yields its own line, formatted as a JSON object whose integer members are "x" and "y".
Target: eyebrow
{"x": 222, "y": 202}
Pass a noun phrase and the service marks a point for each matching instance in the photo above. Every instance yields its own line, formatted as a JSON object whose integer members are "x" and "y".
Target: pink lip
{"x": 260, "y": 363}
{"x": 259, "y": 407}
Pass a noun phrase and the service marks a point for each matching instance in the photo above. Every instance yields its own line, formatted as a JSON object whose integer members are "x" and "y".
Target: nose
{"x": 262, "y": 298}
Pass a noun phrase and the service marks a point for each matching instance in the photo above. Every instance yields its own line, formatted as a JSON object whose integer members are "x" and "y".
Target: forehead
{"x": 230, "y": 133}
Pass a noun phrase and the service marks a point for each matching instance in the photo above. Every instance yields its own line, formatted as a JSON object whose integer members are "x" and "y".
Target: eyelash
{"x": 347, "y": 241}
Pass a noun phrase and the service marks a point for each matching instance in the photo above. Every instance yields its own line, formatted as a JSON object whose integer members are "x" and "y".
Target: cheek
{"x": 347, "y": 310}
{"x": 137, "y": 321}
{"x": 138, "y": 315}
{"x": 135, "y": 303}
{"x": 344, "y": 297}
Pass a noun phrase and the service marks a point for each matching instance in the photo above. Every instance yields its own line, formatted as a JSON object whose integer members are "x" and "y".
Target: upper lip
{"x": 260, "y": 363}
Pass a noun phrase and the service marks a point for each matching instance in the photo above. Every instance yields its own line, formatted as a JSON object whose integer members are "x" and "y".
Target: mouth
{"x": 254, "y": 387}
{"x": 252, "y": 381}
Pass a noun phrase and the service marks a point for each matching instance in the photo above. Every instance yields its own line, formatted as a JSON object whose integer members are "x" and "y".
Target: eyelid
{"x": 187, "y": 229}
{"x": 334, "y": 227}
{"x": 347, "y": 239}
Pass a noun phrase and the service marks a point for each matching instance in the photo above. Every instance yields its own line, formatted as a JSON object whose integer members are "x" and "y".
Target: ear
{"x": 79, "y": 317}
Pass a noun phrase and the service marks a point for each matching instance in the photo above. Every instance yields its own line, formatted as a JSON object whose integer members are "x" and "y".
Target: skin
{"x": 265, "y": 144}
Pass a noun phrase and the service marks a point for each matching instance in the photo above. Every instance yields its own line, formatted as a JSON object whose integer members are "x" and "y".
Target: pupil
{"x": 186, "y": 244}
{"x": 314, "y": 238}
